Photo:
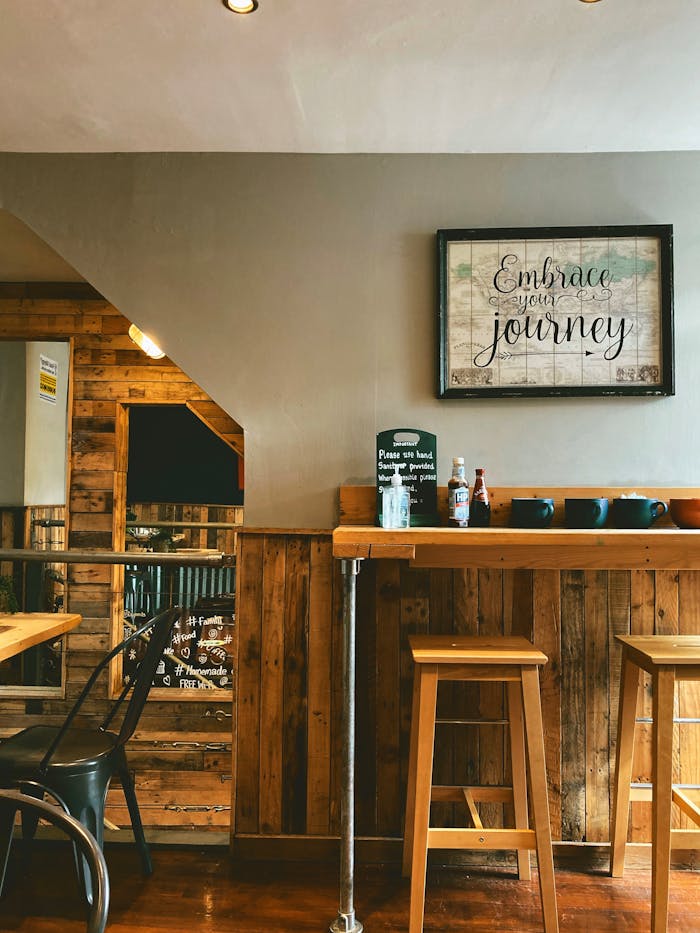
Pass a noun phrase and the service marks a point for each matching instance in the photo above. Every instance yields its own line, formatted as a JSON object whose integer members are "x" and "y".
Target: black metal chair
{"x": 85, "y": 842}
{"x": 77, "y": 764}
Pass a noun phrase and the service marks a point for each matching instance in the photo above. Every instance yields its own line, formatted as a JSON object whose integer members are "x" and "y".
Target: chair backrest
{"x": 12, "y": 801}
{"x": 159, "y": 628}
{"x": 142, "y": 679}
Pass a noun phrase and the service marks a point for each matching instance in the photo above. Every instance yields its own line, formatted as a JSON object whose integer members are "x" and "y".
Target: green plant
{"x": 8, "y": 600}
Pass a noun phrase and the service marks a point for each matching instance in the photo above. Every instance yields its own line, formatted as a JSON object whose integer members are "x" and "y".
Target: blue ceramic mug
{"x": 585, "y": 513}
{"x": 531, "y": 513}
{"x": 637, "y": 512}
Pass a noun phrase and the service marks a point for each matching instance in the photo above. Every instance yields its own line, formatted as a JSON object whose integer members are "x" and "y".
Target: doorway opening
{"x": 184, "y": 495}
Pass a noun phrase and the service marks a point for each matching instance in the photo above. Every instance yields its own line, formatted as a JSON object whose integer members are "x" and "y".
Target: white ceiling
{"x": 349, "y": 76}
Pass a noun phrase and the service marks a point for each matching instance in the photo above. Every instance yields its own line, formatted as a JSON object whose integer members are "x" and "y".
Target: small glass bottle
{"x": 458, "y": 496}
{"x": 480, "y": 513}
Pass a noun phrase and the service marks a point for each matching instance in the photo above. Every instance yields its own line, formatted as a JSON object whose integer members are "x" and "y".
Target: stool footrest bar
{"x": 450, "y": 838}
{"x": 472, "y": 722}
{"x": 445, "y": 793}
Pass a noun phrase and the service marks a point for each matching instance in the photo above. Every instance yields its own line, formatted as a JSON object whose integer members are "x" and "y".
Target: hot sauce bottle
{"x": 458, "y": 496}
{"x": 480, "y": 513}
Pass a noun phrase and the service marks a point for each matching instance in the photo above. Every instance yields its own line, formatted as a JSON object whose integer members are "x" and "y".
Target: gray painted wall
{"x": 299, "y": 291}
{"x": 12, "y": 404}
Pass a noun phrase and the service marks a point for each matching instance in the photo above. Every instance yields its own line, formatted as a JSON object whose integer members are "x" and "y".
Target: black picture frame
{"x": 555, "y": 311}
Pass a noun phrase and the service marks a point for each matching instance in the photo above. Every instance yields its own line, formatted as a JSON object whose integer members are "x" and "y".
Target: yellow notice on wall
{"x": 48, "y": 379}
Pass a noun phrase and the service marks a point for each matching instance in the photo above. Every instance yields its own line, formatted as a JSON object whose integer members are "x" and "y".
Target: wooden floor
{"x": 199, "y": 891}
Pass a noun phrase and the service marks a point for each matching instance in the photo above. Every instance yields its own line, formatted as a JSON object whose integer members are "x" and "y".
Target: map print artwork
{"x": 564, "y": 313}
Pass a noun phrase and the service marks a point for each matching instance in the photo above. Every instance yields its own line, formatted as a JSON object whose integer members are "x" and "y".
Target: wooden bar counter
{"x": 569, "y": 591}
{"x": 524, "y": 548}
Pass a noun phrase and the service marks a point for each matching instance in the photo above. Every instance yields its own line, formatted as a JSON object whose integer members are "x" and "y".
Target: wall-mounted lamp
{"x": 241, "y": 6}
{"x": 145, "y": 343}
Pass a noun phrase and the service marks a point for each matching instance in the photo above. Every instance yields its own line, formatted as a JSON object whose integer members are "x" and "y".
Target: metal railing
{"x": 202, "y": 584}
{"x": 219, "y": 559}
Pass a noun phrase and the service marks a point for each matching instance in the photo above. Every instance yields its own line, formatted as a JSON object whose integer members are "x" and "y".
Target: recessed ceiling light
{"x": 241, "y": 6}
{"x": 589, "y": 1}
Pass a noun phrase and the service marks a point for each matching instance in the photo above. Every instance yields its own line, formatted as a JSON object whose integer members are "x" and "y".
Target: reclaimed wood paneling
{"x": 318, "y": 787}
{"x": 219, "y": 539}
{"x": 249, "y": 616}
{"x": 386, "y": 738}
{"x": 108, "y": 373}
{"x": 597, "y": 705}
{"x": 491, "y": 696}
{"x": 11, "y": 534}
{"x": 274, "y": 563}
{"x": 689, "y": 691}
{"x": 547, "y": 636}
{"x": 573, "y": 615}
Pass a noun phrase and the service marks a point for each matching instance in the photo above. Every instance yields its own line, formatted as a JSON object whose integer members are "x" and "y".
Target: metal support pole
{"x": 346, "y": 922}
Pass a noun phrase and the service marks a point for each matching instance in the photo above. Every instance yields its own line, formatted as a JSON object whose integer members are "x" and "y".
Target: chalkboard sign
{"x": 201, "y": 652}
{"x": 415, "y": 454}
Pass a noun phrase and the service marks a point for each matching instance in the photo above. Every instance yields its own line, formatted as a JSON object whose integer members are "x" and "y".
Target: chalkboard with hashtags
{"x": 200, "y": 655}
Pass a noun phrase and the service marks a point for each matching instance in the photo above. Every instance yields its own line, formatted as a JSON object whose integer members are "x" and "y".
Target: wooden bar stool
{"x": 669, "y": 659}
{"x": 514, "y": 661}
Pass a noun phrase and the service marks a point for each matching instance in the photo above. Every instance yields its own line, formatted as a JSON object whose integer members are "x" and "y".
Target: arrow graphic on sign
{"x": 505, "y": 355}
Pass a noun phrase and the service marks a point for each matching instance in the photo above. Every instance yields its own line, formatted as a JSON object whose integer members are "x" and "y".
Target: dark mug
{"x": 637, "y": 512}
{"x": 585, "y": 513}
{"x": 531, "y": 513}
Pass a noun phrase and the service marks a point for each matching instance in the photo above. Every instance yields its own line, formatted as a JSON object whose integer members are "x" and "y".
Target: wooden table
{"x": 22, "y": 630}
{"x": 504, "y": 548}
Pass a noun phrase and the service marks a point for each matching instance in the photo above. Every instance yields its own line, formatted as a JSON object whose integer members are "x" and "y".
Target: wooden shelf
{"x": 524, "y": 548}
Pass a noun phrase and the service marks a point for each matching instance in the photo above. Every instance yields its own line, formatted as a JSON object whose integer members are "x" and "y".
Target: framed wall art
{"x": 558, "y": 311}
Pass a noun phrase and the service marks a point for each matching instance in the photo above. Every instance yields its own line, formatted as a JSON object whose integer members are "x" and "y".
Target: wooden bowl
{"x": 685, "y": 512}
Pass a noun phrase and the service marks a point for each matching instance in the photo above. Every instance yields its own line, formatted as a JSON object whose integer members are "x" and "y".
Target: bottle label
{"x": 459, "y": 504}
{"x": 404, "y": 511}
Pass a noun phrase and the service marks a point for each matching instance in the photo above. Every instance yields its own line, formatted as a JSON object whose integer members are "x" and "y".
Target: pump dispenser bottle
{"x": 396, "y": 503}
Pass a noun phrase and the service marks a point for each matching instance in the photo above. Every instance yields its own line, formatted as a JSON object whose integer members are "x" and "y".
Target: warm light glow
{"x": 241, "y": 6}
{"x": 145, "y": 343}
{"x": 589, "y": 1}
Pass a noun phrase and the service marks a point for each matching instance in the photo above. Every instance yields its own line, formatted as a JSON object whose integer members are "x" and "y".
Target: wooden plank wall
{"x": 219, "y": 539}
{"x": 11, "y": 534}
{"x": 181, "y": 754}
{"x": 289, "y": 685}
{"x": 288, "y": 703}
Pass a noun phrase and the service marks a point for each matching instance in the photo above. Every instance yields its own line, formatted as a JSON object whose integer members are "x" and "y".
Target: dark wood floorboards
{"x": 200, "y": 891}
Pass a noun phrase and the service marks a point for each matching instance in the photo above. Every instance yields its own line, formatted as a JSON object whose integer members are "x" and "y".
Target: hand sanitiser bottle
{"x": 396, "y": 503}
